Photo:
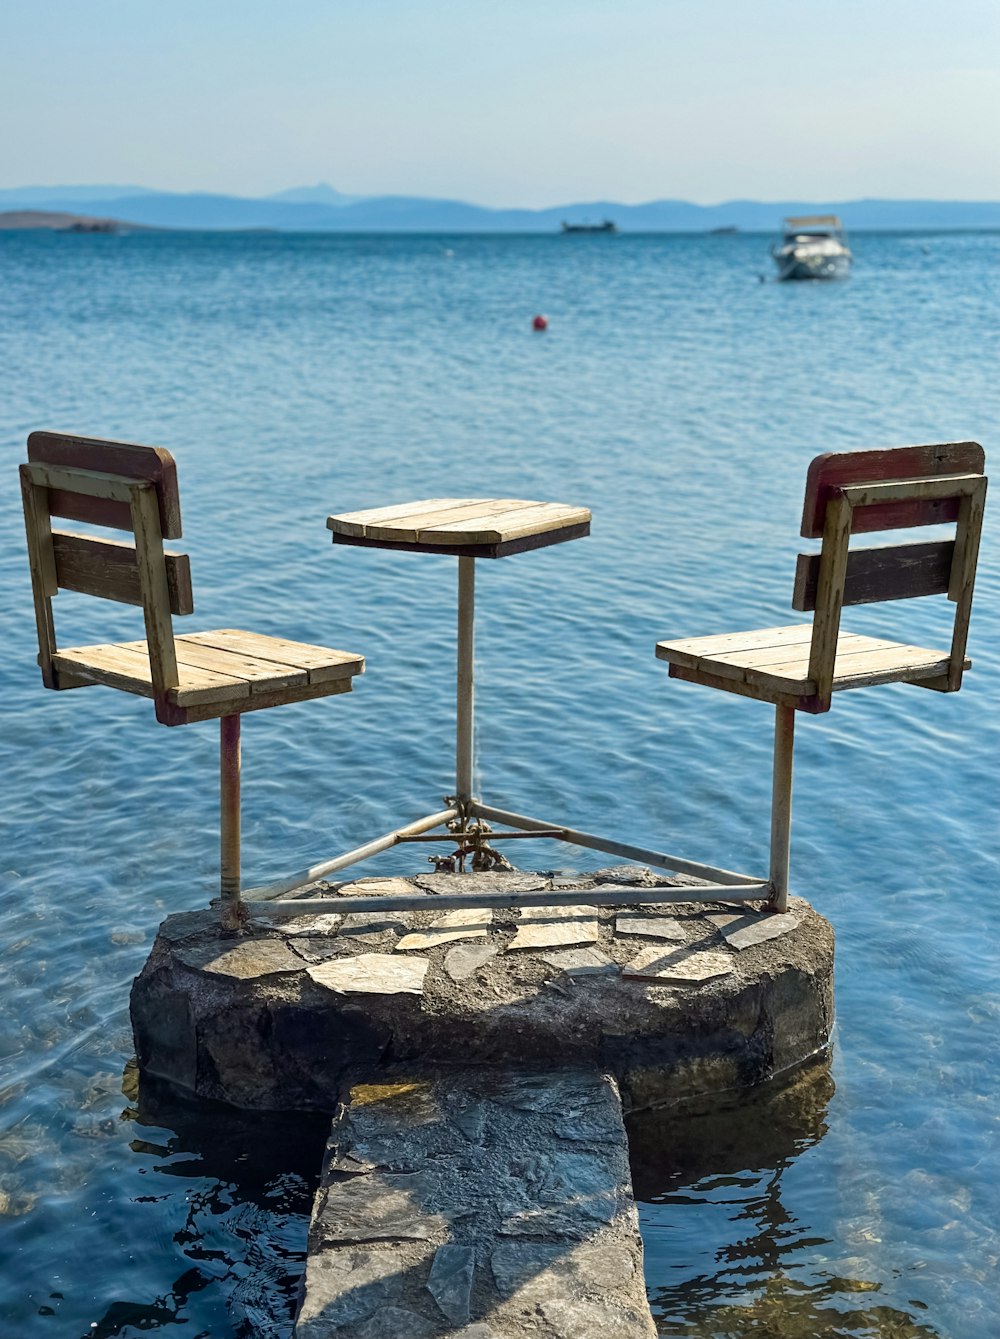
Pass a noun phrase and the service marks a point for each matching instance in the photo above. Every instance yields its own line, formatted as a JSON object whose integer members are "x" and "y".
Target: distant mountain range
{"x": 322, "y": 209}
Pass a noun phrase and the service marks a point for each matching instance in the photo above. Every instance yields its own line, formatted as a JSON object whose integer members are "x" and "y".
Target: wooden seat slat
{"x": 761, "y": 657}
{"x": 900, "y": 663}
{"x": 322, "y": 664}
{"x": 126, "y": 666}
{"x": 895, "y": 663}
{"x": 209, "y": 674}
{"x": 257, "y": 701}
{"x": 779, "y": 664}
{"x": 259, "y": 674}
{"x": 719, "y": 643}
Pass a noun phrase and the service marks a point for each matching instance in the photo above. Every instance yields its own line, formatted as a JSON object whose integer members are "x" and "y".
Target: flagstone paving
{"x": 740, "y": 930}
{"x": 372, "y": 974}
{"x": 652, "y": 926}
{"x": 580, "y": 961}
{"x": 544, "y": 927}
{"x": 681, "y": 966}
{"x": 463, "y": 923}
{"x": 464, "y": 961}
{"x": 480, "y": 1205}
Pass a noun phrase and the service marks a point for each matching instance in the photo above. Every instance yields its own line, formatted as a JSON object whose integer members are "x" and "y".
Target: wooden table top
{"x": 464, "y": 527}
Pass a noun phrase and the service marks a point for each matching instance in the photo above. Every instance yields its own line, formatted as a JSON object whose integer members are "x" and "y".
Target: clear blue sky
{"x": 507, "y": 102}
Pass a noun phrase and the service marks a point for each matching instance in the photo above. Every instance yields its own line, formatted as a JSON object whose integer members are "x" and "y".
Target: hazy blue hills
{"x": 320, "y": 208}
{"x": 28, "y": 197}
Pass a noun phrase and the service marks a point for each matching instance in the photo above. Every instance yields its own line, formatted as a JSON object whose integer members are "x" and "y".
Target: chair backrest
{"x": 124, "y": 487}
{"x": 856, "y": 492}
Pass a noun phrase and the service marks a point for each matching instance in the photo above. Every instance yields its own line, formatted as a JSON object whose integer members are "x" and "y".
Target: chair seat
{"x": 773, "y": 663}
{"x": 471, "y": 527}
{"x": 220, "y": 672}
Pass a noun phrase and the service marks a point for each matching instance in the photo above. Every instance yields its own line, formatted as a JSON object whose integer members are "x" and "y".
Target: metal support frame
{"x": 604, "y": 895}
{"x": 465, "y": 705}
{"x": 714, "y": 884}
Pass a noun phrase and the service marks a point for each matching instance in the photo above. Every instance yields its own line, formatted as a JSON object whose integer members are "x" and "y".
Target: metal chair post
{"x": 781, "y": 805}
{"x": 233, "y": 911}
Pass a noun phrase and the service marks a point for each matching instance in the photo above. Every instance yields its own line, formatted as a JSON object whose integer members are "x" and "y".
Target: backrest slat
{"x": 80, "y": 486}
{"x": 151, "y": 463}
{"x": 109, "y": 569}
{"x": 896, "y": 572}
{"x": 840, "y": 469}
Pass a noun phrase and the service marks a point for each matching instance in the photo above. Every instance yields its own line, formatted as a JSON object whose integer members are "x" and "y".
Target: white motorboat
{"x": 813, "y": 247}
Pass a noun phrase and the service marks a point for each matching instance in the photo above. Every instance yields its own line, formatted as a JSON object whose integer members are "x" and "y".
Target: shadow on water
{"x": 730, "y": 1255}
{"x": 243, "y": 1235}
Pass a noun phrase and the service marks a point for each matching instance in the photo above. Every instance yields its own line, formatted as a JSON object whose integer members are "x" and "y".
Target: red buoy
{"x": 540, "y": 323}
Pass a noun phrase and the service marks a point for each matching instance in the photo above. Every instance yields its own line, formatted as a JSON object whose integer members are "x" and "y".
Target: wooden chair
{"x": 799, "y": 668}
{"x": 197, "y": 677}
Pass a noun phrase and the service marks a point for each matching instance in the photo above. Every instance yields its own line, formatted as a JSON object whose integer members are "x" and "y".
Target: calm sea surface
{"x": 681, "y": 399}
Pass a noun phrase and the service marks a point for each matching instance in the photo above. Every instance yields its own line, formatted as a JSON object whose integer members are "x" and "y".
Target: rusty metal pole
{"x": 781, "y": 805}
{"x": 233, "y": 913}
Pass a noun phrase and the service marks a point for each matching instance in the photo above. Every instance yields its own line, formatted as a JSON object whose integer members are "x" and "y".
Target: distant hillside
{"x": 15, "y": 219}
{"x": 322, "y": 209}
{"x": 320, "y": 194}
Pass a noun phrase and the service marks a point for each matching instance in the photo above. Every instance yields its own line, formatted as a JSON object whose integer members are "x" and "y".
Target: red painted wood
{"x": 837, "y": 469}
{"x": 125, "y": 458}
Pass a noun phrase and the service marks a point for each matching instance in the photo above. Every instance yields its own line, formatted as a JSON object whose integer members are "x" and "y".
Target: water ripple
{"x": 681, "y": 399}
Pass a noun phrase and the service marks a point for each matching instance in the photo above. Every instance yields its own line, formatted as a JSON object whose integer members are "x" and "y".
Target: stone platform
{"x": 477, "y": 1182}
{"x": 674, "y": 1003}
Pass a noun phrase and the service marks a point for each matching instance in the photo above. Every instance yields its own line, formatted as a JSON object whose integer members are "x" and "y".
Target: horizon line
{"x": 356, "y": 198}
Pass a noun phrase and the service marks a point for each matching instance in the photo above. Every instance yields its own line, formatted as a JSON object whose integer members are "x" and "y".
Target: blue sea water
{"x": 679, "y": 397}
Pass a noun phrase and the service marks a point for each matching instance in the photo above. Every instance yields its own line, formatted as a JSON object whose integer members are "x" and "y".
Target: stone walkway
{"x": 480, "y": 1207}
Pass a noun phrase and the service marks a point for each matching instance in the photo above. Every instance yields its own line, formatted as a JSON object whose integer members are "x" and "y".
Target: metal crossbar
{"x": 602, "y": 895}
{"x": 465, "y": 810}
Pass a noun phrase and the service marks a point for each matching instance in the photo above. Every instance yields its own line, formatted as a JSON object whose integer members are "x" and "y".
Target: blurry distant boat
{"x": 725, "y": 231}
{"x": 813, "y": 247}
{"x": 607, "y": 226}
